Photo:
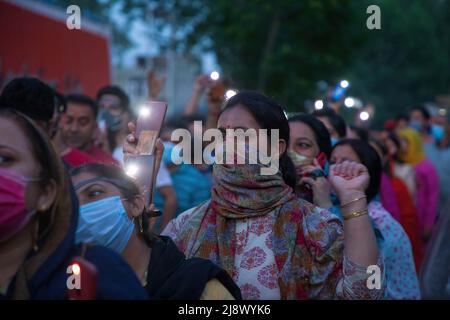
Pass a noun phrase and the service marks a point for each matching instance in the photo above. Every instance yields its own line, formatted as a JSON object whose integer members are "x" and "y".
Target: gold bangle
{"x": 350, "y": 202}
{"x": 356, "y": 214}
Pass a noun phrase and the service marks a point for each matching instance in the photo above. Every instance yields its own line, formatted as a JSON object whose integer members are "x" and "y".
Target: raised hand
{"x": 201, "y": 83}
{"x": 130, "y": 146}
{"x": 348, "y": 179}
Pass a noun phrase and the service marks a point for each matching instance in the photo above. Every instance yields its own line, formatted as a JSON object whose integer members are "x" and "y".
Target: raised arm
{"x": 350, "y": 180}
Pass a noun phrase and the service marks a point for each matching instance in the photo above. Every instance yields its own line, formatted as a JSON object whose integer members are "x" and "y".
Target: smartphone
{"x": 142, "y": 169}
{"x": 148, "y": 126}
{"x": 88, "y": 279}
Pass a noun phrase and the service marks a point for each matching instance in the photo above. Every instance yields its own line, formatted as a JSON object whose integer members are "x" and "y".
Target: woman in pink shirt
{"x": 427, "y": 195}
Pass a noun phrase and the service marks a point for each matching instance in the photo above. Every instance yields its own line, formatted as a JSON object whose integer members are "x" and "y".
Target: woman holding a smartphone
{"x": 112, "y": 214}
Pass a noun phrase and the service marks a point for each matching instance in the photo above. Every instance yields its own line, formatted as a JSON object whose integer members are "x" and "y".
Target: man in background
{"x": 78, "y": 126}
{"x": 44, "y": 106}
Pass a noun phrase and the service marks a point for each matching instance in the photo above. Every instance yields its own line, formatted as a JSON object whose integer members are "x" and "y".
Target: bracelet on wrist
{"x": 356, "y": 214}
{"x": 352, "y": 201}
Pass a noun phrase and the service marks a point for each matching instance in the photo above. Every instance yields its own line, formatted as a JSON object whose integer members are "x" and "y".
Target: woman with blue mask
{"x": 112, "y": 214}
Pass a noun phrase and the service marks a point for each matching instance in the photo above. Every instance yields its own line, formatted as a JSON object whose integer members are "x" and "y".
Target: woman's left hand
{"x": 348, "y": 179}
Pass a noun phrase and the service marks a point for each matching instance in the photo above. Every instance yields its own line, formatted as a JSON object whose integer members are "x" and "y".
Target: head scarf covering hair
{"x": 414, "y": 153}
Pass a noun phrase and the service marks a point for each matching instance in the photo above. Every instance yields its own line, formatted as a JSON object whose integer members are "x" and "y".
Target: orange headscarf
{"x": 414, "y": 153}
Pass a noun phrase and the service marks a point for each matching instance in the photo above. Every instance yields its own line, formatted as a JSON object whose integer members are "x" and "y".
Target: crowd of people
{"x": 345, "y": 200}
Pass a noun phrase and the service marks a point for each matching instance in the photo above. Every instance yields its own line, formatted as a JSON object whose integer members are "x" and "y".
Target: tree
{"x": 282, "y": 48}
{"x": 406, "y": 62}
{"x": 285, "y": 47}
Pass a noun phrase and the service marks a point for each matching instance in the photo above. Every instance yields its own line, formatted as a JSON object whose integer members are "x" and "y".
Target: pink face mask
{"x": 13, "y": 212}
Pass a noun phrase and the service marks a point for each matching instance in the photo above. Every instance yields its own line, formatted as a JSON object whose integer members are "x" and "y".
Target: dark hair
{"x": 380, "y": 147}
{"x": 269, "y": 115}
{"x": 118, "y": 92}
{"x": 402, "y": 116}
{"x": 336, "y": 120}
{"x": 30, "y": 96}
{"x": 320, "y": 131}
{"x": 127, "y": 187}
{"x": 370, "y": 159}
{"x": 394, "y": 138}
{"x": 378, "y": 144}
{"x": 362, "y": 133}
{"x": 423, "y": 110}
{"x": 84, "y": 100}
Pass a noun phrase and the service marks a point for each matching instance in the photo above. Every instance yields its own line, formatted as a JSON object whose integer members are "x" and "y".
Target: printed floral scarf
{"x": 240, "y": 192}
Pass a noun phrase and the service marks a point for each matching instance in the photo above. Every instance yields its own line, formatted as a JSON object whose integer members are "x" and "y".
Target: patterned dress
{"x": 255, "y": 270}
{"x": 401, "y": 276}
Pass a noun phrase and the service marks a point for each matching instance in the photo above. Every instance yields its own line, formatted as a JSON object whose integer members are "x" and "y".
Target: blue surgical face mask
{"x": 333, "y": 141}
{"x": 106, "y": 223}
{"x": 438, "y": 132}
{"x": 417, "y": 125}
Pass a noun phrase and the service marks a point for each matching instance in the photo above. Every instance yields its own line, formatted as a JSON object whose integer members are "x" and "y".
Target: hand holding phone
{"x": 148, "y": 127}
{"x": 143, "y": 164}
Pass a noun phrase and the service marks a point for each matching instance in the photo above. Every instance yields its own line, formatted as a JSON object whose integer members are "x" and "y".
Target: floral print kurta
{"x": 256, "y": 271}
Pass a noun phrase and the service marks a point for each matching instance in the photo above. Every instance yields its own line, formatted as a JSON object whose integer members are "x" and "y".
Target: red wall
{"x": 74, "y": 60}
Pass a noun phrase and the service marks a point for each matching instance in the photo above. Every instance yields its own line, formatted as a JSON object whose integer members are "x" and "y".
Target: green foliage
{"x": 282, "y": 48}
{"x": 408, "y": 60}
{"x": 285, "y": 47}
